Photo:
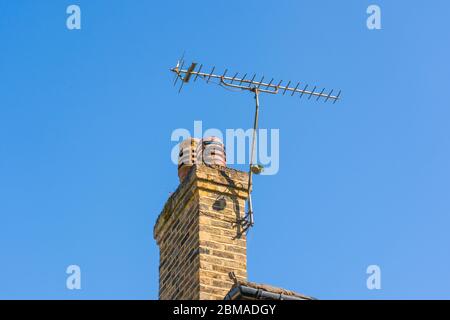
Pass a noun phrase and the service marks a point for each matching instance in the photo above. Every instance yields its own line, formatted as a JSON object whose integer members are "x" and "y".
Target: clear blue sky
{"x": 86, "y": 118}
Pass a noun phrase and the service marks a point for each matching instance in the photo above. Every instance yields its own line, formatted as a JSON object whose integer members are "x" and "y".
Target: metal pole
{"x": 252, "y": 157}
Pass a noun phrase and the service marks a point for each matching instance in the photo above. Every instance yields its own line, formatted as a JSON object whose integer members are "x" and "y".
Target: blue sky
{"x": 86, "y": 118}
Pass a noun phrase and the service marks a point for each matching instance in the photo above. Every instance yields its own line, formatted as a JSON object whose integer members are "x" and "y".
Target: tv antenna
{"x": 256, "y": 87}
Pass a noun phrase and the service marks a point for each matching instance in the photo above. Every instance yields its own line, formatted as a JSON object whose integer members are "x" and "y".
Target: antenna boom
{"x": 248, "y": 84}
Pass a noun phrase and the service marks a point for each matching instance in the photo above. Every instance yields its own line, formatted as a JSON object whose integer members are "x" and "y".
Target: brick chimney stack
{"x": 199, "y": 237}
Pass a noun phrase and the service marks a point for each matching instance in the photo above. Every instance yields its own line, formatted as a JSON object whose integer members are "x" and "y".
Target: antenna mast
{"x": 256, "y": 87}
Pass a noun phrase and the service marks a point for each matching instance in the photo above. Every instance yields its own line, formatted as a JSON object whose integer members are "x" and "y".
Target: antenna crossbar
{"x": 249, "y": 84}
